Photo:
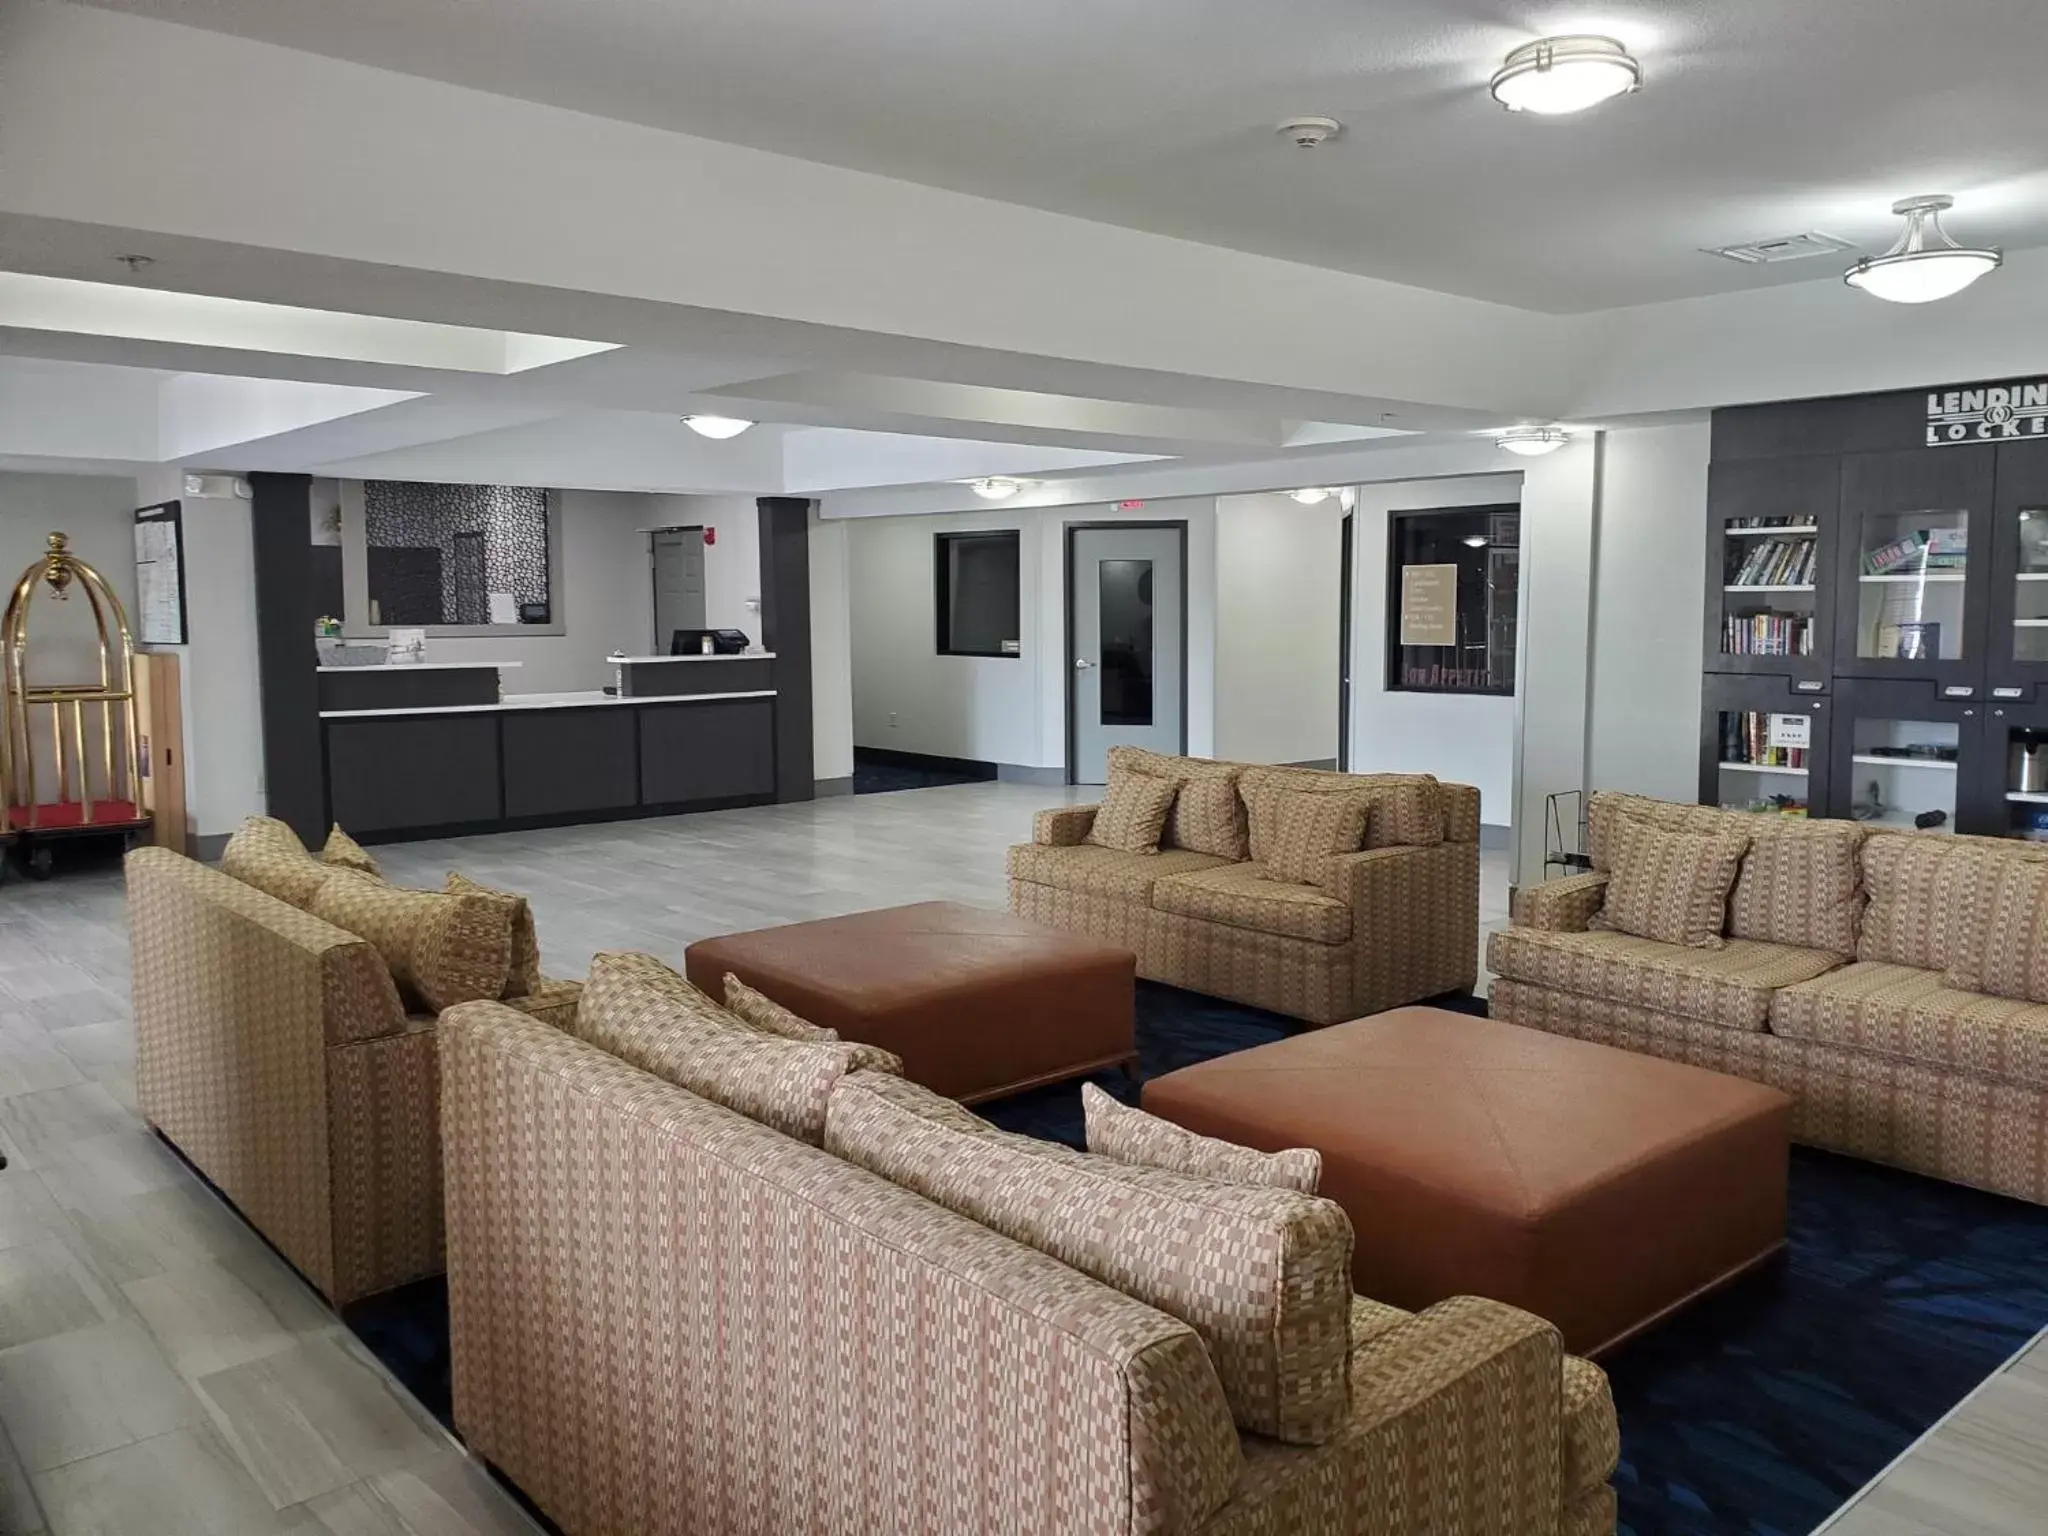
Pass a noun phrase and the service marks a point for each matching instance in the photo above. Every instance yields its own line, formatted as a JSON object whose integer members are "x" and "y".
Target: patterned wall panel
{"x": 437, "y": 552}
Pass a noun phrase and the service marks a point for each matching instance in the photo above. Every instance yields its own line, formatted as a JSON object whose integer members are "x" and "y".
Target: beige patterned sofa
{"x": 1393, "y": 923}
{"x": 668, "y": 1316}
{"x": 272, "y": 1049}
{"x": 1894, "y": 983}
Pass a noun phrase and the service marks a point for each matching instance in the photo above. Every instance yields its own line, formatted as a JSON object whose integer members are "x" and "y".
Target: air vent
{"x": 1757, "y": 253}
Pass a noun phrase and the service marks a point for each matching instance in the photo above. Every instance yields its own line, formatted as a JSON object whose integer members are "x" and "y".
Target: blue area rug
{"x": 1757, "y": 1412}
{"x": 887, "y": 774}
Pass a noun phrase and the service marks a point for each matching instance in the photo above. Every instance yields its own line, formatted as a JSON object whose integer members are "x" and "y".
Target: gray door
{"x": 1129, "y": 642}
{"x": 678, "y": 583}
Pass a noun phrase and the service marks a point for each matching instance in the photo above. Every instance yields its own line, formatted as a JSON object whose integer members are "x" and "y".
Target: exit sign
{"x": 1130, "y": 506}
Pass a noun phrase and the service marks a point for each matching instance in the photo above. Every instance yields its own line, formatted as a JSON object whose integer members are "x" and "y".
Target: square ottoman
{"x": 1594, "y": 1187}
{"x": 978, "y": 1004}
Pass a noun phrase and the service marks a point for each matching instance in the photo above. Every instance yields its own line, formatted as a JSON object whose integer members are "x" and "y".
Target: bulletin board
{"x": 160, "y": 575}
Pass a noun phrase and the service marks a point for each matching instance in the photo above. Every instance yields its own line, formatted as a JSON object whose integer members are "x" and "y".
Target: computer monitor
{"x": 690, "y": 642}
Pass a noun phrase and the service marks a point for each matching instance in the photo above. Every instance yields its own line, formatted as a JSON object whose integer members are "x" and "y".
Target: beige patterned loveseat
{"x": 1394, "y": 923}
{"x": 668, "y": 1317}
{"x": 1895, "y": 983}
{"x": 273, "y": 1051}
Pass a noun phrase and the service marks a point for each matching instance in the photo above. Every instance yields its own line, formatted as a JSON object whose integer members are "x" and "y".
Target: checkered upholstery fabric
{"x": 442, "y": 949}
{"x": 1456, "y": 1428}
{"x": 1133, "y": 812}
{"x": 762, "y": 1337}
{"x": 1249, "y": 896}
{"x": 2004, "y": 950}
{"x": 1987, "y": 1132}
{"x": 1300, "y": 832}
{"x": 1409, "y": 810}
{"x": 344, "y": 852}
{"x": 1922, "y": 899}
{"x": 762, "y": 1012}
{"x": 1671, "y": 886}
{"x": 1208, "y": 813}
{"x": 1413, "y": 929}
{"x": 1732, "y": 986}
{"x": 1264, "y": 1275}
{"x": 1560, "y": 906}
{"x": 1064, "y": 826}
{"x": 552, "y": 1002}
{"x": 267, "y": 854}
{"x": 272, "y": 1049}
{"x": 522, "y": 972}
{"x": 1129, "y": 1135}
{"x": 636, "y": 1008}
{"x": 1915, "y": 1015}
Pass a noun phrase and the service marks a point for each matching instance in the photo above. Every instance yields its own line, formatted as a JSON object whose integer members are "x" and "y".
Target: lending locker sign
{"x": 1993, "y": 414}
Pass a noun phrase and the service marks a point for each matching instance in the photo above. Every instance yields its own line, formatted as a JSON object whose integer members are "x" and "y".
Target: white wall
{"x": 1278, "y": 577}
{"x": 998, "y": 709}
{"x": 606, "y": 602}
{"x": 1467, "y": 739}
{"x": 732, "y": 565}
{"x": 1649, "y": 611}
{"x": 831, "y": 653}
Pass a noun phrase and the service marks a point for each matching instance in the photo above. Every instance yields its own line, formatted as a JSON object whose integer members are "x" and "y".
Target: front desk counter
{"x": 551, "y": 759}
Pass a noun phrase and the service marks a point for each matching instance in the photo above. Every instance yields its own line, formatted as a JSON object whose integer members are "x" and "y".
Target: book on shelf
{"x": 1777, "y": 563}
{"x": 1767, "y": 634}
{"x": 1770, "y": 522}
{"x": 1746, "y": 742}
{"x": 1922, "y": 551}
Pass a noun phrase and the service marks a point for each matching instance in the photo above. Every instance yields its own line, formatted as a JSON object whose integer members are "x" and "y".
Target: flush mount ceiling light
{"x": 996, "y": 487}
{"x": 1312, "y": 495}
{"x": 1926, "y": 264}
{"x": 1476, "y": 541}
{"x": 1556, "y": 75}
{"x": 1532, "y": 441}
{"x": 720, "y": 427}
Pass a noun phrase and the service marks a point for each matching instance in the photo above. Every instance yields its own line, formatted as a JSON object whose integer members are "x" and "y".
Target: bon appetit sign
{"x": 1993, "y": 414}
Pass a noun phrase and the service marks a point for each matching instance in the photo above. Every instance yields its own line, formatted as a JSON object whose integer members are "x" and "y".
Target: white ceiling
{"x": 1760, "y": 117}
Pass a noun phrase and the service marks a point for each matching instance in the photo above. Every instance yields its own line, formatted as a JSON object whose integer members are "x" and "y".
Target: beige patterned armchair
{"x": 273, "y": 1051}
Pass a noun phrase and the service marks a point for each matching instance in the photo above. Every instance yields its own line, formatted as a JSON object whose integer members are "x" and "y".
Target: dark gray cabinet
{"x": 405, "y": 771}
{"x": 720, "y": 750}
{"x": 560, "y": 762}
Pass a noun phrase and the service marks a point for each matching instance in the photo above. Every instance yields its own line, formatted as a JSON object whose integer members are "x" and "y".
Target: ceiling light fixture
{"x": 1925, "y": 264}
{"x": 996, "y": 487}
{"x": 1476, "y": 541}
{"x": 1532, "y": 441}
{"x": 718, "y": 427}
{"x": 1312, "y": 495}
{"x": 1556, "y": 75}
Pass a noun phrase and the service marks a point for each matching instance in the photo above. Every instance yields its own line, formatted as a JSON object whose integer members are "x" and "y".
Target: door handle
{"x": 1082, "y": 666}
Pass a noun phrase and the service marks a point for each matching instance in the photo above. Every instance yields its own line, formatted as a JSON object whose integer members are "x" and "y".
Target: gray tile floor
{"x": 162, "y": 1371}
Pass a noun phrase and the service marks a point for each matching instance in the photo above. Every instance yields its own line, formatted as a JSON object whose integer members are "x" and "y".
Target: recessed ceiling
{"x": 1757, "y": 116}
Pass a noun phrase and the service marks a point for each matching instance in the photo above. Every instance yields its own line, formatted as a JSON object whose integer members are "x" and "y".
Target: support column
{"x": 786, "y": 630}
{"x": 294, "y": 765}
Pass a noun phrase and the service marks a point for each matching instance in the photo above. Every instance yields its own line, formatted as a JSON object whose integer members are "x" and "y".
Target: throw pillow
{"x": 267, "y": 854}
{"x": 1308, "y": 829}
{"x": 1923, "y": 893}
{"x": 1130, "y": 1135}
{"x": 1264, "y": 1275}
{"x": 344, "y": 852}
{"x": 1672, "y": 886}
{"x": 644, "y": 1013}
{"x": 522, "y": 975}
{"x": 1132, "y": 813}
{"x": 762, "y": 1012}
{"x": 2005, "y": 952}
{"x": 441, "y": 949}
{"x": 1208, "y": 814}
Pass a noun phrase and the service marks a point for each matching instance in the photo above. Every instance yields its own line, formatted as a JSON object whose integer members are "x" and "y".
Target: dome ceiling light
{"x": 1556, "y": 75}
{"x": 1312, "y": 495}
{"x": 995, "y": 487}
{"x": 717, "y": 427}
{"x": 1532, "y": 442}
{"x": 1926, "y": 264}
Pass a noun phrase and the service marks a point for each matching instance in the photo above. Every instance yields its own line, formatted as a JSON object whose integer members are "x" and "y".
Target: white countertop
{"x": 425, "y": 666}
{"x": 514, "y": 701}
{"x": 734, "y": 656}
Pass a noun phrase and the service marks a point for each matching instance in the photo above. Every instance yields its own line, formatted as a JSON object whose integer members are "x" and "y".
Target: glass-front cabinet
{"x": 1770, "y": 564}
{"x": 1914, "y": 566}
{"x": 1903, "y": 756}
{"x": 2018, "y": 651}
{"x": 1764, "y": 747}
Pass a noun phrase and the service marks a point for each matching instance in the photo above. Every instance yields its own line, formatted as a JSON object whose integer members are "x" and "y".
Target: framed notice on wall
{"x": 1429, "y": 605}
{"x": 160, "y": 575}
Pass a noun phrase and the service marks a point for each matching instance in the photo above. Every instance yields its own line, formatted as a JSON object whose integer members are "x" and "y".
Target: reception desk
{"x": 525, "y": 760}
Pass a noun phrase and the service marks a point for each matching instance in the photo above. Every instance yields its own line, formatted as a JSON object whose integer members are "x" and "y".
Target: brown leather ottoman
{"x": 978, "y": 1004}
{"x": 1592, "y": 1186}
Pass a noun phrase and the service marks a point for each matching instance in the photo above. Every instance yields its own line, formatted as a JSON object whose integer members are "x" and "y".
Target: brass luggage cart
{"x": 77, "y": 740}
